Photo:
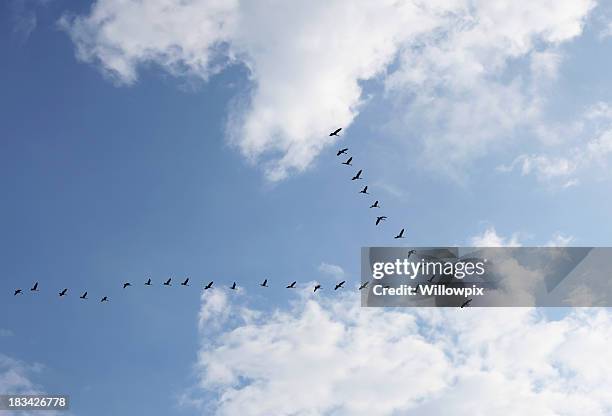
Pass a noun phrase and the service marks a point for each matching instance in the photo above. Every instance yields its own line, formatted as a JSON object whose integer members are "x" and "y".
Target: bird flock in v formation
{"x": 292, "y": 285}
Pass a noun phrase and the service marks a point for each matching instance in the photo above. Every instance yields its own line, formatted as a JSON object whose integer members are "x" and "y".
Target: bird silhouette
{"x": 364, "y": 285}
{"x": 339, "y": 285}
{"x": 63, "y": 292}
{"x": 292, "y": 285}
{"x": 364, "y": 190}
{"x": 411, "y": 252}
{"x": 17, "y": 292}
{"x": 375, "y": 205}
{"x": 104, "y": 299}
{"x": 264, "y": 283}
{"x": 317, "y": 287}
{"x": 342, "y": 151}
{"x": 348, "y": 161}
{"x": 35, "y": 287}
{"x": 185, "y": 283}
{"x": 148, "y": 282}
{"x": 233, "y": 287}
{"x": 430, "y": 280}
{"x": 126, "y": 284}
{"x": 358, "y": 175}
{"x": 83, "y": 296}
{"x": 335, "y": 132}
{"x": 400, "y": 235}
{"x": 379, "y": 219}
{"x": 466, "y": 303}
{"x": 167, "y": 282}
{"x": 208, "y": 286}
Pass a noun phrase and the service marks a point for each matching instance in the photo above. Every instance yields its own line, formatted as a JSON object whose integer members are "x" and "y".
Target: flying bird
{"x": 339, "y": 285}
{"x": 264, "y": 283}
{"x": 126, "y": 284}
{"x": 292, "y": 285}
{"x": 17, "y": 292}
{"x": 208, "y": 286}
{"x": 466, "y": 303}
{"x": 104, "y": 299}
{"x": 233, "y": 287}
{"x": 379, "y": 219}
{"x": 348, "y": 162}
{"x": 375, "y": 205}
{"x": 35, "y": 287}
{"x": 148, "y": 282}
{"x": 342, "y": 151}
{"x": 358, "y": 176}
{"x": 400, "y": 235}
{"x": 63, "y": 292}
{"x": 364, "y": 285}
{"x": 364, "y": 191}
{"x": 185, "y": 283}
{"x": 167, "y": 282}
{"x": 317, "y": 287}
{"x": 411, "y": 252}
{"x": 430, "y": 280}
{"x": 83, "y": 296}
{"x": 335, "y": 132}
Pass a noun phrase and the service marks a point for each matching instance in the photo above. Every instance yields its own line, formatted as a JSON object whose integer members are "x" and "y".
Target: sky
{"x": 183, "y": 139}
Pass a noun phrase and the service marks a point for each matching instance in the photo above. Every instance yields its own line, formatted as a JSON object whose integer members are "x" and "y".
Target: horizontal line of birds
{"x": 209, "y": 285}
{"x": 358, "y": 176}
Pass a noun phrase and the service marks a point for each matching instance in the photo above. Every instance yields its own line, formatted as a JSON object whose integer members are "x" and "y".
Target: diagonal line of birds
{"x": 264, "y": 284}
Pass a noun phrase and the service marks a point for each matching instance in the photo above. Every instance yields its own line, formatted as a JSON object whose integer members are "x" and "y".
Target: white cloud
{"x": 306, "y": 61}
{"x": 332, "y": 270}
{"x": 330, "y": 356}
{"x": 15, "y": 376}
{"x": 6, "y": 332}
{"x": 560, "y": 240}
{"x": 590, "y": 145}
{"x": 490, "y": 238}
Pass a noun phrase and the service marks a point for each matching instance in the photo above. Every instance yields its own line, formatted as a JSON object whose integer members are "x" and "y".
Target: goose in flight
{"x": 104, "y": 299}
{"x": 433, "y": 276}
{"x": 466, "y": 303}
{"x": 185, "y": 283}
{"x": 364, "y": 191}
{"x": 126, "y": 284}
{"x": 339, "y": 285}
{"x": 400, "y": 235}
{"x": 17, "y": 292}
{"x": 379, "y": 219}
{"x": 83, "y": 296}
{"x": 233, "y": 287}
{"x": 35, "y": 287}
{"x": 292, "y": 285}
{"x": 335, "y": 132}
{"x": 358, "y": 175}
{"x": 364, "y": 285}
{"x": 375, "y": 205}
{"x": 317, "y": 287}
{"x": 208, "y": 286}
{"x": 411, "y": 252}
{"x": 148, "y": 282}
{"x": 63, "y": 292}
{"x": 167, "y": 282}
{"x": 264, "y": 283}
{"x": 342, "y": 151}
{"x": 348, "y": 161}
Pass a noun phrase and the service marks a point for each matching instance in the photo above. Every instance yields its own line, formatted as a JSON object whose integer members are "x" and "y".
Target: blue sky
{"x": 126, "y": 155}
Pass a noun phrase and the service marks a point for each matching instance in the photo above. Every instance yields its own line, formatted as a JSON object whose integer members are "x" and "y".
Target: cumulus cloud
{"x": 306, "y": 62}
{"x": 590, "y": 145}
{"x": 332, "y": 270}
{"x": 15, "y": 376}
{"x": 344, "y": 359}
{"x": 490, "y": 238}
